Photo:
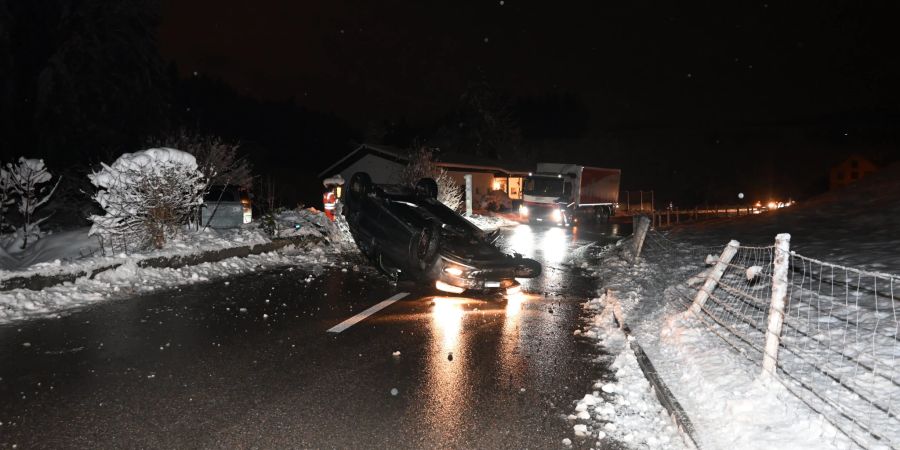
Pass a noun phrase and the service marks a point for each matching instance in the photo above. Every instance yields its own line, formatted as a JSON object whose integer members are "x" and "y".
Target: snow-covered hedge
{"x": 147, "y": 196}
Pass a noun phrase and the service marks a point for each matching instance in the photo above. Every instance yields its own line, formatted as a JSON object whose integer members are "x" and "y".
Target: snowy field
{"x": 856, "y": 226}
{"x": 836, "y": 384}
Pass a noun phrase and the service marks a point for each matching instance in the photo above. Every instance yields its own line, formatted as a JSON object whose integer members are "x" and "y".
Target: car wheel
{"x": 423, "y": 249}
{"x": 360, "y": 186}
{"x": 427, "y": 188}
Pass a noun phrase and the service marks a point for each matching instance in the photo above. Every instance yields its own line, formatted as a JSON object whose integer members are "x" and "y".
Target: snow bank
{"x": 626, "y": 408}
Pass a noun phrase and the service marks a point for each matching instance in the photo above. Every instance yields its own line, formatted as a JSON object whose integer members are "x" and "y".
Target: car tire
{"x": 423, "y": 249}
{"x": 360, "y": 187}
{"x": 427, "y": 188}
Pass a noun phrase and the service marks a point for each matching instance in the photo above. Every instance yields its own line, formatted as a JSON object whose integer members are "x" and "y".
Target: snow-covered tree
{"x": 28, "y": 179}
{"x": 421, "y": 165}
{"x": 147, "y": 196}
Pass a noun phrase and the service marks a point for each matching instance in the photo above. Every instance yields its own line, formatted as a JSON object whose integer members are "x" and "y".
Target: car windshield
{"x": 544, "y": 186}
{"x": 228, "y": 194}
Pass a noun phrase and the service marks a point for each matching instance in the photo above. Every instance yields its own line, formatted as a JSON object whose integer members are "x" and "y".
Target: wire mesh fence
{"x": 838, "y": 347}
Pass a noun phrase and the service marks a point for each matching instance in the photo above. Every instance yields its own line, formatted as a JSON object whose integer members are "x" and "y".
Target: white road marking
{"x": 368, "y": 312}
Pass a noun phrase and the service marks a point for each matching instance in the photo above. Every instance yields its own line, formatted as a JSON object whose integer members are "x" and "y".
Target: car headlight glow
{"x": 441, "y": 286}
{"x": 455, "y": 271}
{"x": 557, "y": 215}
{"x": 523, "y": 210}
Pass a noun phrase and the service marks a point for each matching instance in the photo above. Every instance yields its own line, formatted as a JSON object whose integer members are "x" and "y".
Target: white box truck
{"x": 562, "y": 193}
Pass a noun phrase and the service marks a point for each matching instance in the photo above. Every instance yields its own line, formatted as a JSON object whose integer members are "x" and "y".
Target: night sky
{"x": 634, "y": 64}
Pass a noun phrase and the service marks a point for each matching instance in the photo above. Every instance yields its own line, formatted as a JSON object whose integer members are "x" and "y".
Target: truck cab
{"x": 559, "y": 193}
{"x": 546, "y": 197}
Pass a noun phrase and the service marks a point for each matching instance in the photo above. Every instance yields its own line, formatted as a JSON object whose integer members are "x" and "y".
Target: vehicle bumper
{"x": 546, "y": 213}
{"x": 457, "y": 278}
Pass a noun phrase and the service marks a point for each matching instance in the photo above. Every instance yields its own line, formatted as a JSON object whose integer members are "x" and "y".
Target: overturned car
{"x": 409, "y": 234}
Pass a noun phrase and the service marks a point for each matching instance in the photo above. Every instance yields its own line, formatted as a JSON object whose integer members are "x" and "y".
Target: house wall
{"x": 381, "y": 170}
{"x": 481, "y": 182}
{"x": 850, "y": 171}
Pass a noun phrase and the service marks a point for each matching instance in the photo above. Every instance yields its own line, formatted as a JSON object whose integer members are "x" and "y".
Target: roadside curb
{"x": 665, "y": 396}
{"x": 38, "y": 282}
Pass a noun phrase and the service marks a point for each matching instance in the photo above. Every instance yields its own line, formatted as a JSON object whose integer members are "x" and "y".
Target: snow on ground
{"x": 856, "y": 226}
{"x": 626, "y": 409}
{"x": 717, "y": 387}
{"x": 490, "y": 223}
{"x": 74, "y": 251}
{"x": 720, "y": 388}
{"x": 129, "y": 279}
{"x": 71, "y": 252}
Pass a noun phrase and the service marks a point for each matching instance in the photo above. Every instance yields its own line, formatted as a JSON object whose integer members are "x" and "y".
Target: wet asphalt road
{"x": 247, "y": 363}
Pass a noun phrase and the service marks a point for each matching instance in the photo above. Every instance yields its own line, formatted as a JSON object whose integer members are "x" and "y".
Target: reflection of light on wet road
{"x": 514, "y": 305}
{"x": 522, "y": 240}
{"x": 447, "y": 316}
{"x": 554, "y": 245}
{"x": 447, "y": 380}
{"x": 512, "y": 363}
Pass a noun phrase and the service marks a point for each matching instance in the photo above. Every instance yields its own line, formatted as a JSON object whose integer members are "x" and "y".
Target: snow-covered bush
{"x": 421, "y": 165}
{"x": 28, "y": 180}
{"x": 6, "y": 197}
{"x": 147, "y": 196}
{"x": 217, "y": 159}
{"x": 495, "y": 201}
{"x": 449, "y": 193}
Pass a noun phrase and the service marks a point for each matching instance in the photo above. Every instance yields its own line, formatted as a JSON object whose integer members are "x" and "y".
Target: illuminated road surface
{"x": 252, "y": 363}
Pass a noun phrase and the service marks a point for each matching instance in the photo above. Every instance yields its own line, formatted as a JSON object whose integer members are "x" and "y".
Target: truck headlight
{"x": 557, "y": 215}
{"x": 523, "y": 210}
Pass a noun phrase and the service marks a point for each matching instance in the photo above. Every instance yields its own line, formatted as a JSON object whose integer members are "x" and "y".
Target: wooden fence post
{"x": 468, "y": 178}
{"x": 782, "y": 261}
{"x": 714, "y": 276}
{"x": 641, "y": 225}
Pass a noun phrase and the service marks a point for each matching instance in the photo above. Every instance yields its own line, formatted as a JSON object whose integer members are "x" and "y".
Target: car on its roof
{"x": 409, "y": 234}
